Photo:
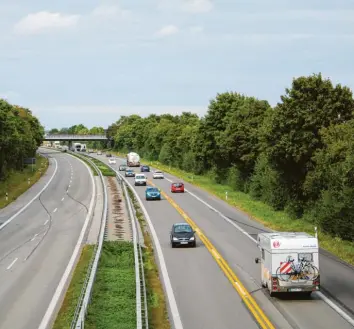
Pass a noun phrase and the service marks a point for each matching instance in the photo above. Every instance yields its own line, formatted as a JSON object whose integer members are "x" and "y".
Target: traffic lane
{"x": 240, "y": 252}
{"x": 37, "y": 215}
{"x": 194, "y": 273}
{"x": 37, "y": 278}
{"x": 336, "y": 275}
{"x": 27, "y": 196}
{"x": 32, "y": 284}
{"x": 80, "y": 186}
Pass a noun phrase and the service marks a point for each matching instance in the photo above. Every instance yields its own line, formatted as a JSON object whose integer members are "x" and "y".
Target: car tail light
{"x": 274, "y": 283}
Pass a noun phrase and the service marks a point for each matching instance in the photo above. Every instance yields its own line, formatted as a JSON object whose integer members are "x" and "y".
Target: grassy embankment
{"x": 17, "y": 182}
{"x": 276, "y": 220}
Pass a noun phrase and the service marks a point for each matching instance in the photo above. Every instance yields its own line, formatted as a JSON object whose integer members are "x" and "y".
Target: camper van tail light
{"x": 274, "y": 283}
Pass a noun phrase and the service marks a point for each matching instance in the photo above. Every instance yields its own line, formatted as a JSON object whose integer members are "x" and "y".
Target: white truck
{"x": 289, "y": 262}
{"x": 78, "y": 147}
{"x": 133, "y": 159}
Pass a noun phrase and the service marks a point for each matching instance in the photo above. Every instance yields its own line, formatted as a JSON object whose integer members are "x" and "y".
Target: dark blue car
{"x": 152, "y": 193}
{"x": 145, "y": 169}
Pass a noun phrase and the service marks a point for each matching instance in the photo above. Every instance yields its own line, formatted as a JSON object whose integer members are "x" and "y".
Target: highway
{"x": 36, "y": 245}
{"x": 205, "y": 298}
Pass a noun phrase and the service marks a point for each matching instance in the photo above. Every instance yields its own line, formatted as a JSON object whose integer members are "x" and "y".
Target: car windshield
{"x": 152, "y": 189}
{"x": 178, "y": 184}
{"x": 183, "y": 229}
{"x": 140, "y": 176}
{"x": 158, "y": 172}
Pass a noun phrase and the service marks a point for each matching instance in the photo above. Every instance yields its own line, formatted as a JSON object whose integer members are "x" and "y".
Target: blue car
{"x": 145, "y": 169}
{"x": 152, "y": 193}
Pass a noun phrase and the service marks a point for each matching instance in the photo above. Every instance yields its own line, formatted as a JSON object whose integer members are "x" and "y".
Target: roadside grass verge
{"x": 157, "y": 308}
{"x": 259, "y": 211}
{"x": 113, "y": 301}
{"x": 84, "y": 158}
{"x": 17, "y": 183}
{"x": 67, "y": 310}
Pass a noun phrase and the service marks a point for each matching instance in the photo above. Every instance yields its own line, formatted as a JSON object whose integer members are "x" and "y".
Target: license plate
{"x": 184, "y": 242}
{"x": 295, "y": 289}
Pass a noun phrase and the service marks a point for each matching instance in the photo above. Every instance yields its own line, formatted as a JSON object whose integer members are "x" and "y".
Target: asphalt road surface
{"x": 204, "y": 296}
{"x": 35, "y": 247}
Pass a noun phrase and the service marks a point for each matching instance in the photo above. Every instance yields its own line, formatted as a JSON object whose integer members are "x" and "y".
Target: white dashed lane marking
{"x": 12, "y": 264}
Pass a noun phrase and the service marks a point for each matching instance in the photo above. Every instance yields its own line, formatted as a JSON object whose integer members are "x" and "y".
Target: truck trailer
{"x": 133, "y": 159}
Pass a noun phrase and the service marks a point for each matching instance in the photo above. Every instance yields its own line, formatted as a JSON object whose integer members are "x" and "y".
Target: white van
{"x": 140, "y": 179}
{"x": 289, "y": 262}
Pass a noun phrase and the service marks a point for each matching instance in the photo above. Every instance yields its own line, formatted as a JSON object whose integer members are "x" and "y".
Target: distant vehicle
{"x": 145, "y": 169}
{"x": 108, "y": 155}
{"x": 90, "y": 151}
{"x": 99, "y": 153}
{"x": 140, "y": 179}
{"x": 129, "y": 173}
{"x": 177, "y": 187}
{"x": 122, "y": 167}
{"x": 182, "y": 234}
{"x": 65, "y": 148}
{"x": 83, "y": 148}
{"x": 289, "y": 262}
{"x": 76, "y": 147}
{"x": 133, "y": 159}
{"x": 158, "y": 175}
{"x": 152, "y": 193}
{"x": 112, "y": 161}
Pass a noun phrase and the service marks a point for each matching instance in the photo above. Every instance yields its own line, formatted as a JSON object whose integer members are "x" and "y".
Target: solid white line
{"x": 12, "y": 264}
{"x": 45, "y": 223}
{"x": 55, "y": 209}
{"x": 166, "y": 279}
{"x": 48, "y": 317}
{"x": 62, "y": 199}
{"x": 29, "y": 203}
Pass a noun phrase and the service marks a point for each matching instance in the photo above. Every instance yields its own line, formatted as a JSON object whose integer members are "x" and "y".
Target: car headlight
{"x": 175, "y": 239}
{"x": 192, "y": 238}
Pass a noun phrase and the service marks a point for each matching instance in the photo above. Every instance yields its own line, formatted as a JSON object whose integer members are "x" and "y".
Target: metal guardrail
{"x": 78, "y": 321}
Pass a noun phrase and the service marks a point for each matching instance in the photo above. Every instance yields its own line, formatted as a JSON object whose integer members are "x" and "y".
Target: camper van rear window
{"x": 307, "y": 257}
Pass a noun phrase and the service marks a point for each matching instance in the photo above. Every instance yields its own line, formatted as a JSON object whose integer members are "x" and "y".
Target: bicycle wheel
{"x": 308, "y": 272}
{"x": 316, "y": 272}
{"x": 283, "y": 276}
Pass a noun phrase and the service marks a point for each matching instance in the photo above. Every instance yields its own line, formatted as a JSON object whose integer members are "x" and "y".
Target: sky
{"x": 90, "y": 61}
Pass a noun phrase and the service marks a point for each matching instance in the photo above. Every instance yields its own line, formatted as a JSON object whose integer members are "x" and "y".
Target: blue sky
{"x": 86, "y": 61}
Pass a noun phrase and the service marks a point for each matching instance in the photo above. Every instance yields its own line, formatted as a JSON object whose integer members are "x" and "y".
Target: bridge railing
{"x": 74, "y": 137}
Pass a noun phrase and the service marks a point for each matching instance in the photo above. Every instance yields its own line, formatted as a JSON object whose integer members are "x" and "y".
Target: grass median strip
{"x": 67, "y": 310}
{"x": 157, "y": 308}
{"x": 113, "y": 302}
{"x": 19, "y": 182}
{"x": 106, "y": 171}
{"x": 276, "y": 220}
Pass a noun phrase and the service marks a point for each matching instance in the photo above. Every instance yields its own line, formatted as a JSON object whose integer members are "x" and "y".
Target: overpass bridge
{"x": 74, "y": 138}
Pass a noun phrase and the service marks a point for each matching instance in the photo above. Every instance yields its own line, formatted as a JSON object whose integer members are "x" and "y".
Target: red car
{"x": 177, "y": 187}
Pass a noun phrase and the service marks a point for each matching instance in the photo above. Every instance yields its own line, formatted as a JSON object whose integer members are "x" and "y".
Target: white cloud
{"x": 43, "y": 20}
{"x": 104, "y": 11}
{"x": 167, "y": 31}
{"x": 197, "y": 6}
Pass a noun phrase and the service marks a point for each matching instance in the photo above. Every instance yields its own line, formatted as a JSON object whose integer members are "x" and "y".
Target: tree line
{"x": 20, "y": 135}
{"x": 297, "y": 156}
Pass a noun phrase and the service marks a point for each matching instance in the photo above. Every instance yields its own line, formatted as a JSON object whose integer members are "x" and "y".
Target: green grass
{"x": 106, "y": 171}
{"x": 84, "y": 158}
{"x": 17, "y": 183}
{"x": 66, "y": 313}
{"x": 113, "y": 302}
{"x": 260, "y": 212}
{"x": 157, "y": 308}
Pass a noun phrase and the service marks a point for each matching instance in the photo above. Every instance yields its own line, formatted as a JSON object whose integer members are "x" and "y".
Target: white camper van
{"x": 289, "y": 262}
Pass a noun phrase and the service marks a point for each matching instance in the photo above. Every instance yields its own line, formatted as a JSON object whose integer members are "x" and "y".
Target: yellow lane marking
{"x": 247, "y": 298}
